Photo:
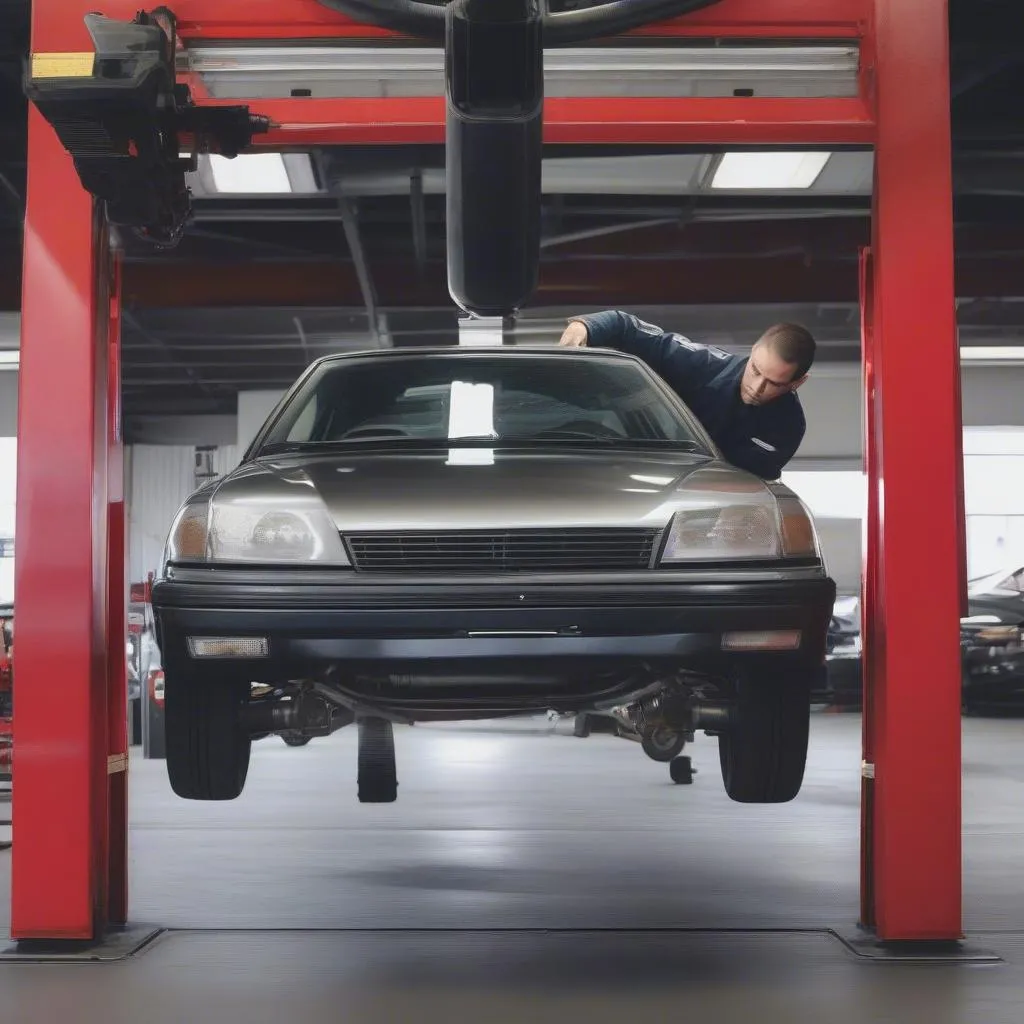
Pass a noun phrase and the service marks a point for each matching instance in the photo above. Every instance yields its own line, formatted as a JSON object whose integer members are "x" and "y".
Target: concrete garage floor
{"x": 584, "y": 871}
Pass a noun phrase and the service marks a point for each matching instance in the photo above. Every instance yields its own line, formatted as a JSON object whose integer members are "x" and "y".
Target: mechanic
{"x": 747, "y": 404}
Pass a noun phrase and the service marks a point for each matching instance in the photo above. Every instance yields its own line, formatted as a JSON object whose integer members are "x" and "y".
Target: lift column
{"x": 71, "y": 752}
{"x": 912, "y": 880}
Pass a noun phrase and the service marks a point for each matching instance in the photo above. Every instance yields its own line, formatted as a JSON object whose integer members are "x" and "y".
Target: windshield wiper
{"x": 569, "y": 435}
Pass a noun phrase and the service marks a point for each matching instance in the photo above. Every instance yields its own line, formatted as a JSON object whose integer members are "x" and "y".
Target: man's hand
{"x": 575, "y": 335}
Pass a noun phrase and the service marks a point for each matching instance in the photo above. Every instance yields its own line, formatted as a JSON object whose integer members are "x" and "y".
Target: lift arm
{"x": 125, "y": 121}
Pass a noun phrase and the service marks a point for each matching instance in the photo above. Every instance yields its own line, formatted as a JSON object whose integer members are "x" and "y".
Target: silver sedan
{"x": 458, "y": 533}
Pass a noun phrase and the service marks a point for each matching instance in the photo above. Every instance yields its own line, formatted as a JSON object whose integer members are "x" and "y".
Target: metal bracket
{"x": 482, "y": 330}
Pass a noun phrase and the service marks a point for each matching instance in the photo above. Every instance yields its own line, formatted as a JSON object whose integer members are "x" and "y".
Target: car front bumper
{"x": 306, "y": 623}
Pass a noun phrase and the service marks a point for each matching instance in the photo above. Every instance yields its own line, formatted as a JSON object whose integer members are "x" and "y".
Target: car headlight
{"x": 748, "y": 524}
{"x": 256, "y": 530}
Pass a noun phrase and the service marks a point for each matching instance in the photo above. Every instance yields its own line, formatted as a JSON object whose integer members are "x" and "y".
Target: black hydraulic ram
{"x": 494, "y": 87}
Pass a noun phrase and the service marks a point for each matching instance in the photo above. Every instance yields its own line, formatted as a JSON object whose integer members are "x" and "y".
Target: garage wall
{"x": 253, "y": 409}
{"x": 184, "y": 430}
{"x": 8, "y": 403}
{"x": 841, "y": 548}
{"x": 832, "y": 399}
{"x": 159, "y": 478}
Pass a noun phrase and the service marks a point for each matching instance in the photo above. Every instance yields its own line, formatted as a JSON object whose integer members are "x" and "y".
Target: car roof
{"x": 502, "y": 351}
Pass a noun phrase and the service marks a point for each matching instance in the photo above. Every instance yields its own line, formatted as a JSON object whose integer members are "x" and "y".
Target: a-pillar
{"x": 912, "y": 881}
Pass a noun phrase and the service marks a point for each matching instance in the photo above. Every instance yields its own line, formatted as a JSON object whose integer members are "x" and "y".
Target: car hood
{"x": 480, "y": 489}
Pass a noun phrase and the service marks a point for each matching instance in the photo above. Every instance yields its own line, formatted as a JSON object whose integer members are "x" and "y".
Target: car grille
{"x": 458, "y": 551}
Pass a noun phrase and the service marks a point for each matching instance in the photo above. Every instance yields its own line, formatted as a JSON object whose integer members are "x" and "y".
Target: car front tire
{"x": 763, "y": 751}
{"x": 207, "y": 744}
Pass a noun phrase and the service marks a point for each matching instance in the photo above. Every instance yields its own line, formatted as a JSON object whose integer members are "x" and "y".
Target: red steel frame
{"x": 69, "y": 805}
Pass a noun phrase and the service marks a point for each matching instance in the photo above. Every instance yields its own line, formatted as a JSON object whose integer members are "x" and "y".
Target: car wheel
{"x": 207, "y": 744}
{"x": 763, "y": 751}
{"x": 581, "y": 726}
{"x": 662, "y": 744}
{"x": 295, "y": 739}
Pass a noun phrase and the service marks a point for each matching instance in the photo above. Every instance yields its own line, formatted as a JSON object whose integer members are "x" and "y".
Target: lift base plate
{"x": 116, "y": 944}
{"x": 866, "y": 945}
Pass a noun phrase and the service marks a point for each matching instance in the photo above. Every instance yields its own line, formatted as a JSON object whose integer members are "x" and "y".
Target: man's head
{"x": 778, "y": 363}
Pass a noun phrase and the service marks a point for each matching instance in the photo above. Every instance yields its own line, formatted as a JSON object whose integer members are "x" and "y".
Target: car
{"x": 991, "y": 646}
{"x": 992, "y": 641}
{"x": 457, "y": 533}
{"x": 842, "y": 681}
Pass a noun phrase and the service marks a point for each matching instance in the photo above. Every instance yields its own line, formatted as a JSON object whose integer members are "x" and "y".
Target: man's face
{"x": 767, "y": 377}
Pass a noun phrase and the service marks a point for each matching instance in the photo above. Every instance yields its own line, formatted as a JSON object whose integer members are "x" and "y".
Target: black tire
{"x": 663, "y": 744}
{"x": 295, "y": 739}
{"x": 763, "y": 750}
{"x": 378, "y": 777}
{"x": 581, "y": 726}
{"x": 207, "y": 744}
{"x": 680, "y": 771}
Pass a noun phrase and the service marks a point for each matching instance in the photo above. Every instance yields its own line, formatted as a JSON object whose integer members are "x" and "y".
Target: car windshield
{"x": 487, "y": 399}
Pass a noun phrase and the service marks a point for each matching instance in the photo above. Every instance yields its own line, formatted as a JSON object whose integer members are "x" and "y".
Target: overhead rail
{"x": 330, "y": 72}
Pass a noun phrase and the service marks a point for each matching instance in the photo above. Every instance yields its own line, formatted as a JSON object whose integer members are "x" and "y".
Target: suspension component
{"x": 306, "y": 713}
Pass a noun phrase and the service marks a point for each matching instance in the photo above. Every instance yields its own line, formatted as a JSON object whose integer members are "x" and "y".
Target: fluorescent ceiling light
{"x": 10, "y": 359}
{"x": 251, "y": 174}
{"x": 992, "y": 354}
{"x": 769, "y": 170}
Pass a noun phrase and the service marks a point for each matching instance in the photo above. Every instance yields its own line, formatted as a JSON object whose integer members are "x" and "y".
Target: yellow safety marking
{"x": 117, "y": 763}
{"x": 62, "y": 65}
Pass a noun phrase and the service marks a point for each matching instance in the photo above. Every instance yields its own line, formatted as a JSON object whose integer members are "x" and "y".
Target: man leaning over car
{"x": 748, "y": 404}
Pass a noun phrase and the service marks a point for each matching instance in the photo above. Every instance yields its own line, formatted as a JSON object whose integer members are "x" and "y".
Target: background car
{"x": 992, "y": 653}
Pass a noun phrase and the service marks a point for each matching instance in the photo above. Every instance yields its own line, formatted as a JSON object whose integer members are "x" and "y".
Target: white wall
{"x": 160, "y": 477}
{"x": 8, "y": 403}
{"x": 832, "y": 401}
{"x": 8, "y": 460}
{"x": 833, "y": 404}
{"x": 253, "y": 409}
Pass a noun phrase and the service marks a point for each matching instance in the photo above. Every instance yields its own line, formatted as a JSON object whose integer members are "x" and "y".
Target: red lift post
{"x": 69, "y": 808}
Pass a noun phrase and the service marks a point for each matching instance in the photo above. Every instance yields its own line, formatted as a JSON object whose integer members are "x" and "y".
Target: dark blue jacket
{"x": 758, "y": 438}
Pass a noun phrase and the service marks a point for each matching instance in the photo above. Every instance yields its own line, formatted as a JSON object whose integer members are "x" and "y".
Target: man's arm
{"x": 680, "y": 361}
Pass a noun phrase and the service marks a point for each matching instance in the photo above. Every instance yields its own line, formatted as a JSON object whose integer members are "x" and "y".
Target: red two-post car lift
{"x": 70, "y": 863}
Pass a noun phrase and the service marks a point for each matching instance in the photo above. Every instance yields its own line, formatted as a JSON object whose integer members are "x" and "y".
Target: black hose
{"x": 426, "y": 20}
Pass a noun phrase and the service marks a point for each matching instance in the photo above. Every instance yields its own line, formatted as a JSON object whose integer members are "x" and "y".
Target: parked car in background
{"x": 465, "y": 533}
{"x": 991, "y": 647}
{"x": 991, "y": 641}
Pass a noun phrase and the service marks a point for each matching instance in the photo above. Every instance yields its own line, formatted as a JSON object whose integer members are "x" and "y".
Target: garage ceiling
{"x": 344, "y": 248}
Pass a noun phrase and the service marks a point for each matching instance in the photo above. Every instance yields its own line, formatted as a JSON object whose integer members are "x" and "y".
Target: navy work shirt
{"x": 757, "y": 438}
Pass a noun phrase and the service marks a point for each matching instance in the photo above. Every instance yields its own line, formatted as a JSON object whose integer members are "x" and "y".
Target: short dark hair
{"x": 793, "y": 344}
